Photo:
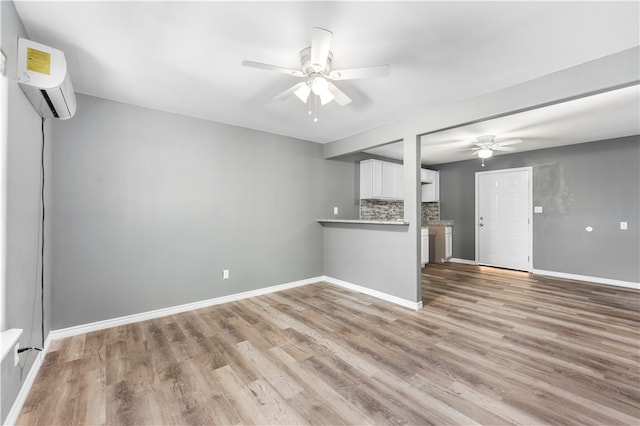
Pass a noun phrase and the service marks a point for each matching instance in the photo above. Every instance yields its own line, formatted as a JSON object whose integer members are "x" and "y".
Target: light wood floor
{"x": 490, "y": 346}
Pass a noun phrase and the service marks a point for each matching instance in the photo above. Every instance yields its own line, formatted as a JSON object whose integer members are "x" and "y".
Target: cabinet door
{"x": 376, "y": 189}
{"x": 392, "y": 180}
{"x": 427, "y": 192}
{"x": 370, "y": 179}
{"x": 366, "y": 179}
{"x": 399, "y": 181}
{"x": 426, "y": 175}
{"x": 430, "y": 190}
{"x": 424, "y": 248}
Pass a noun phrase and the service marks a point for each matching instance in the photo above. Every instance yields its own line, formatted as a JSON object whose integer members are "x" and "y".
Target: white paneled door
{"x": 503, "y": 218}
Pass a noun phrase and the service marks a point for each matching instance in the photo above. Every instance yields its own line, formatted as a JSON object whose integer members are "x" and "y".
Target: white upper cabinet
{"x": 385, "y": 180}
{"x": 392, "y": 180}
{"x": 370, "y": 179}
{"x": 426, "y": 175}
{"x": 430, "y": 180}
{"x": 381, "y": 179}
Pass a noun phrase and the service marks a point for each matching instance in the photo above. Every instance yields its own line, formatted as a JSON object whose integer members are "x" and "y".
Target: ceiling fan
{"x": 485, "y": 145}
{"x": 315, "y": 69}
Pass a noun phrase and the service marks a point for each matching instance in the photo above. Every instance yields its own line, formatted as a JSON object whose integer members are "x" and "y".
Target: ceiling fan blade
{"x": 509, "y": 142}
{"x": 503, "y": 148}
{"x": 320, "y": 46}
{"x": 295, "y": 73}
{"x": 290, "y": 91}
{"x": 363, "y": 72}
{"x": 340, "y": 98}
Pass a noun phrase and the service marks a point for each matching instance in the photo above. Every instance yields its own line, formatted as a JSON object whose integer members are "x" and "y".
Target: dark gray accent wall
{"x": 150, "y": 207}
{"x": 24, "y": 139}
{"x": 593, "y": 184}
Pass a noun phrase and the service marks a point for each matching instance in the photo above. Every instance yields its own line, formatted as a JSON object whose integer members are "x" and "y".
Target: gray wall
{"x": 340, "y": 188}
{"x": 617, "y": 70}
{"x": 370, "y": 256}
{"x": 23, "y": 218}
{"x": 150, "y": 207}
{"x": 593, "y": 184}
{"x": 381, "y": 257}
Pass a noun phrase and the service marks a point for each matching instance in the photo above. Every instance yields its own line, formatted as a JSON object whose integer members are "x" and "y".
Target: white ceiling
{"x": 604, "y": 116}
{"x": 184, "y": 57}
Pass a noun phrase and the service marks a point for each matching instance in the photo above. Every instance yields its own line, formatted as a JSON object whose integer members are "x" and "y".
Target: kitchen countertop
{"x": 364, "y": 222}
{"x": 438, "y": 223}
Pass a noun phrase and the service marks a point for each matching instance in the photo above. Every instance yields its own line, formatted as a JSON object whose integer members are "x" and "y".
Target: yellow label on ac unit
{"x": 38, "y": 61}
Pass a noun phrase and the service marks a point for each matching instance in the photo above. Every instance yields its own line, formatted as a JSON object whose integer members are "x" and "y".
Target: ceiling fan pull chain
{"x": 315, "y": 107}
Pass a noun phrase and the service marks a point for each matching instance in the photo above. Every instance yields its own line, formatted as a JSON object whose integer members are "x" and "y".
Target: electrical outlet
{"x": 623, "y": 225}
{"x": 225, "y": 274}
{"x": 335, "y": 210}
{"x": 16, "y": 357}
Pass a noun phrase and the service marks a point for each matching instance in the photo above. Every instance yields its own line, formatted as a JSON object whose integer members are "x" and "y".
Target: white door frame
{"x": 529, "y": 171}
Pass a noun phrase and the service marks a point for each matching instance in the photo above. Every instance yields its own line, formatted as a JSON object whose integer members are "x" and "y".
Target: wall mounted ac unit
{"x": 44, "y": 78}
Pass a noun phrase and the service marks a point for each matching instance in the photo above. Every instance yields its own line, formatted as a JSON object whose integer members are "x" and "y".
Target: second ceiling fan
{"x": 485, "y": 145}
{"x": 315, "y": 68}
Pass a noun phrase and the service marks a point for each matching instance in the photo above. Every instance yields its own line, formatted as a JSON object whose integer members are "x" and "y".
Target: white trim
{"x": 8, "y": 339}
{"x": 4, "y": 111}
{"x": 14, "y": 412}
{"x": 143, "y": 316}
{"x": 375, "y": 293}
{"x": 597, "y": 280}
{"x": 465, "y": 261}
{"x": 529, "y": 171}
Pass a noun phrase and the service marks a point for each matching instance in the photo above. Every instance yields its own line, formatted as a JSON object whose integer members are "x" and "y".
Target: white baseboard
{"x": 375, "y": 293}
{"x": 597, "y": 280}
{"x": 586, "y": 278}
{"x": 465, "y": 261}
{"x": 14, "y": 412}
{"x": 143, "y": 316}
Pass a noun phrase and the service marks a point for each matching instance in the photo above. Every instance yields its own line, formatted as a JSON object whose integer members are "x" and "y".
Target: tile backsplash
{"x": 394, "y": 209}
{"x": 381, "y": 209}
{"x": 430, "y": 211}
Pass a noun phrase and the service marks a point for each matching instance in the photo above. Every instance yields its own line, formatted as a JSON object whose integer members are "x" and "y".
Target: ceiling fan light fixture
{"x": 303, "y": 93}
{"x": 319, "y": 86}
{"x": 485, "y": 153}
{"x": 316, "y": 70}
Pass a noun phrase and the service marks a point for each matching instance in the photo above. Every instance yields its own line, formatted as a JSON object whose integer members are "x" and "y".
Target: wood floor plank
{"x": 491, "y": 346}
